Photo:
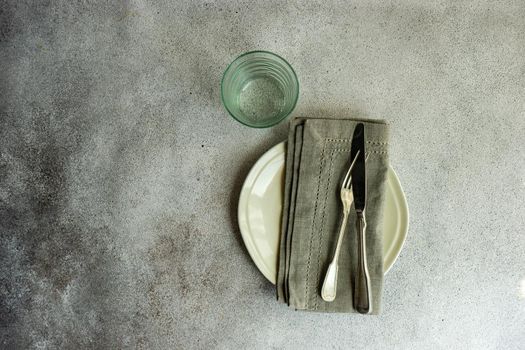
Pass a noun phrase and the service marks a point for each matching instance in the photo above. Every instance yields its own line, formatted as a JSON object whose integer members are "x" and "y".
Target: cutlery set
{"x": 353, "y": 190}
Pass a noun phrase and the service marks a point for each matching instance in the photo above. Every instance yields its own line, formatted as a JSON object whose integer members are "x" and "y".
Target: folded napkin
{"x": 318, "y": 152}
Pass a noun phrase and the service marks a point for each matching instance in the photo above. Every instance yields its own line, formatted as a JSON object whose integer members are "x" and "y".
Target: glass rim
{"x": 296, "y": 97}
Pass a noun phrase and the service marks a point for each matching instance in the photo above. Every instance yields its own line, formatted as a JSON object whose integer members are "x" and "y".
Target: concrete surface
{"x": 120, "y": 170}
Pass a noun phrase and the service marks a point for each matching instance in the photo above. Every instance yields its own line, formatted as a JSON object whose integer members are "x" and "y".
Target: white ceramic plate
{"x": 260, "y": 210}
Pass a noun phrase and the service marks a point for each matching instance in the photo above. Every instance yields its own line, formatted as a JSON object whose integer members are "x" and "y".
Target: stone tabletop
{"x": 120, "y": 170}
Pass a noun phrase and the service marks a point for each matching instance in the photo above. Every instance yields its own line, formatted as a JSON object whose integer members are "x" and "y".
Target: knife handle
{"x": 362, "y": 296}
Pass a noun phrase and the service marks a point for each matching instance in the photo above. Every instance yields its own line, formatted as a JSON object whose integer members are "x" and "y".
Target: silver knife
{"x": 362, "y": 296}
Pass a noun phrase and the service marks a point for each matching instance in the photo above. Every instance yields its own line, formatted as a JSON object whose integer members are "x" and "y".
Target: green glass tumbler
{"x": 259, "y": 89}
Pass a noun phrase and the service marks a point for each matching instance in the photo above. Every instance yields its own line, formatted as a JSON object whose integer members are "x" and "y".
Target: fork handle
{"x": 329, "y": 289}
{"x": 362, "y": 295}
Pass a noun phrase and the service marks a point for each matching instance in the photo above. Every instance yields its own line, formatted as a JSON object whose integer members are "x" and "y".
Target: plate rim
{"x": 251, "y": 177}
{"x": 403, "y": 206}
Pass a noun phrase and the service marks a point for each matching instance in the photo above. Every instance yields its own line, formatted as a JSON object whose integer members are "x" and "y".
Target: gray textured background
{"x": 120, "y": 170}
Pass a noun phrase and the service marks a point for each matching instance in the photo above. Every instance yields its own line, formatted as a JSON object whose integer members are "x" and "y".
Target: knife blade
{"x": 359, "y": 171}
{"x": 362, "y": 295}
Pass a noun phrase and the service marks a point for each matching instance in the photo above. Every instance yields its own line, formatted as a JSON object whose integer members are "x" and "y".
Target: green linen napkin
{"x": 318, "y": 152}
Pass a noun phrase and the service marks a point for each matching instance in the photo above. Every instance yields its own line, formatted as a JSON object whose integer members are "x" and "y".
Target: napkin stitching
{"x": 339, "y": 140}
{"x": 321, "y": 234}
{"x": 348, "y": 150}
{"x": 350, "y": 140}
{"x": 306, "y": 289}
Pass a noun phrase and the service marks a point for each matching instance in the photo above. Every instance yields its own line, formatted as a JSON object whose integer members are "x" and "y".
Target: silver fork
{"x": 329, "y": 289}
